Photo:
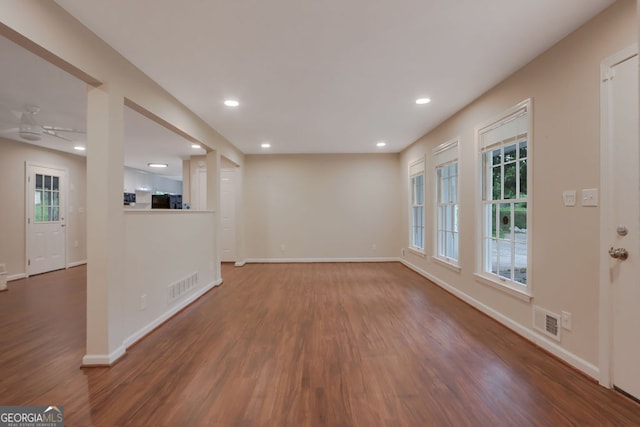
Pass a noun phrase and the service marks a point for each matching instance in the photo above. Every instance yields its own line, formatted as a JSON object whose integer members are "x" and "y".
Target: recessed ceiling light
{"x": 231, "y": 103}
{"x": 421, "y": 101}
{"x": 265, "y": 145}
{"x": 195, "y": 146}
{"x": 381, "y": 144}
{"x": 79, "y": 148}
{"x": 157, "y": 165}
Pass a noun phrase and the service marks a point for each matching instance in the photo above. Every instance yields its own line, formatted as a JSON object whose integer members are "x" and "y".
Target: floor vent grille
{"x": 546, "y": 322}
{"x": 183, "y": 286}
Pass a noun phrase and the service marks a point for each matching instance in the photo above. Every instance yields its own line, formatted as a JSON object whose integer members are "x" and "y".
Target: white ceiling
{"x": 329, "y": 76}
{"x": 27, "y": 79}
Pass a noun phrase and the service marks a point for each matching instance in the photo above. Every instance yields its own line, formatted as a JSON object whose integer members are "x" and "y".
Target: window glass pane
{"x": 523, "y": 178}
{"x": 497, "y": 156}
{"x": 493, "y": 255}
{"x": 510, "y": 153}
{"x": 56, "y": 183}
{"x": 523, "y": 150}
{"x": 520, "y": 268}
{"x": 444, "y": 191}
{"x": 504, "y": 259}
{"x": 455, "y": 218}
{"x": 453, "y": 187}
{"x": 494, "y": 218}
{"x": 496, "y": 183}
{"x": 510, "y": 179}
{"x": 520, "y": 219}
{"x": 454, "y": 252}
{"x": 420, "y": 189}
{"x": 47, "y": 182}
{"x": 449, "y": 215}
{"x": 505, "y": 221}
{"x": 38, "y": 181}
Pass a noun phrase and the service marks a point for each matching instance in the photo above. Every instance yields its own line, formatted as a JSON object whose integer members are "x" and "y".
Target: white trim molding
{"x": 16, "y": 277}
{"x": 527, "y": 333}
{"x": 605, "y": 296}
{"x": 313, "y": 260}
{"x": 145, "y": 330}
{"x": 90, "y": 360}
{"x": 97, "y": 360}
{"x": 76, "y": 263}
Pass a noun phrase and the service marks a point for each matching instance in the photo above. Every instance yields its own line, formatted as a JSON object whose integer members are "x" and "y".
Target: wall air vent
{"x": 546, "y": 322}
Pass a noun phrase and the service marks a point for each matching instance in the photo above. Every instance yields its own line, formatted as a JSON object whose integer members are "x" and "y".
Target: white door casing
{"x": 228, "y": 214}
{"x": 620, "y": 224}
{"x": 45, "y": 222}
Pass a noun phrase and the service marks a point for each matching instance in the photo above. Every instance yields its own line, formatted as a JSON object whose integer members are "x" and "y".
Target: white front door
{"x": 46, "y": 236}
{"x": 624, "y": 223}
{"x": 228, "y": 214}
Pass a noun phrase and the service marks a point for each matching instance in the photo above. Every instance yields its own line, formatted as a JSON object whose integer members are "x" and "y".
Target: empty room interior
{"x": 321, "y": 213}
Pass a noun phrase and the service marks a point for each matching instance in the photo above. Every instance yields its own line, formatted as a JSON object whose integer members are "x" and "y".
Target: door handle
{"x": 618, "y": 253}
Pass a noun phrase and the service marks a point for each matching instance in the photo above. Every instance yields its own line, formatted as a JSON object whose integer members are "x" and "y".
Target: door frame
{"x": 605, "y": 324}
{"x": 28, "y": 165}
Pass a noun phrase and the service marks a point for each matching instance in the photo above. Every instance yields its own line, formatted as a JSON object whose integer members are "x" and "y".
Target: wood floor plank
{"x": 296, "y": 345}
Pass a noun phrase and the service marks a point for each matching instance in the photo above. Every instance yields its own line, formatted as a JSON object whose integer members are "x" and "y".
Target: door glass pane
{"x": 56, "y": 183}
{"x": 38, "y": 181}
{"x": 47, "y": 182}
{"x": 46, "y": 200}
{"x": 55, "y": 200}
{"x": 55, "y": 215}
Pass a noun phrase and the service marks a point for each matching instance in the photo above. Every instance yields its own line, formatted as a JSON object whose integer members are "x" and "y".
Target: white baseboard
{"x": 142, "y": 332}
{"x": 103, "y": 359}
{"x": 240, "y": 263}
{"x": 295, "y": 260}
{"x": 16, "y": 276}
{"x": 76, "y": 263}
{"x": 552, "y": 347}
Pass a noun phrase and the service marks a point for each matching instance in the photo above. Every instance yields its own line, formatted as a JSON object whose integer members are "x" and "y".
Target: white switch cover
{"x": 590, "y": 197}
{"x": 569, "y": 197}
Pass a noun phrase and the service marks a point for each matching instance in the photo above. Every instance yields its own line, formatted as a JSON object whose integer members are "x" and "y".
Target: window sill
{"x": 417, "y": 252}
{"x": 504, "y": 287}
{"x": 446, "y": 262}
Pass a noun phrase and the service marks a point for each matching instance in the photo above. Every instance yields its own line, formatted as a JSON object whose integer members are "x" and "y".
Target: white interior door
{"x": 46, "y": 236}
{"x": 228, "y": 214}
{"x": 624, "y": 228}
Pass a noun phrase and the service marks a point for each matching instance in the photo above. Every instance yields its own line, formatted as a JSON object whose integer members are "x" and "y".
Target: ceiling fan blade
{"x": 61, "y": 129}
{"x": 52, "y": 133}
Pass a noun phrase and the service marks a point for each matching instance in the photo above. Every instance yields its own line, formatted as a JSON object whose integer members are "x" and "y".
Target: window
{"x": 504, "y": 148}
{"x": 416, "y": 175}
{"x": 47, "y": 198}
{"x": 446, "y": 163}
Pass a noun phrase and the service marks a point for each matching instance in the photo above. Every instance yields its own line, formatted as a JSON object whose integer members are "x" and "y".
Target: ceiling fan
{"x": 31, "y": 130}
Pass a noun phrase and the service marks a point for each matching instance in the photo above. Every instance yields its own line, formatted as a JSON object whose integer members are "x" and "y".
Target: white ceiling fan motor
{"x": 29, "y": 128}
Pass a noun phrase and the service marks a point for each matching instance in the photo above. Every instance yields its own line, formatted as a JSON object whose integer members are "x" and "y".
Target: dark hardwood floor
{"x": 296, "y": 345}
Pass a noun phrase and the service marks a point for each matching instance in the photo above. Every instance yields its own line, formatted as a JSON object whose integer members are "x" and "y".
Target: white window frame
{"x": 511, "y": 124}
{"x": 445, "y": 155}
{"x": 416, "y": 168}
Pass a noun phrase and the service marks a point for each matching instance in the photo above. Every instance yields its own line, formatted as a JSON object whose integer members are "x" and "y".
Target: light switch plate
{"x": 569, "y": 197}
{"x": 590, "y": 197}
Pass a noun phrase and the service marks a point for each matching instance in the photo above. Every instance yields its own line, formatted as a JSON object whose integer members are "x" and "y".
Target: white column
{"x": 105, "y": 225}
{"x": 213, "y": 203}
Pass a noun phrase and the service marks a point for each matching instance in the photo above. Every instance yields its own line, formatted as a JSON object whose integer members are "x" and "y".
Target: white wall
{"x": 13, "y": 156}
{"x": 564, "y": 84}
{"x": 322, "y": 206}
{"x": 160, "y": 249}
